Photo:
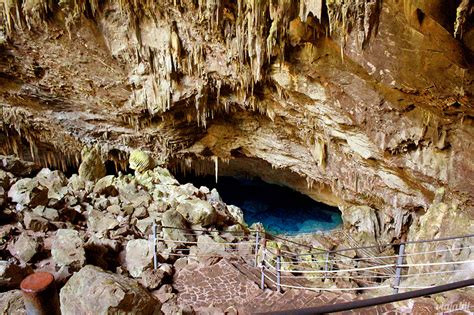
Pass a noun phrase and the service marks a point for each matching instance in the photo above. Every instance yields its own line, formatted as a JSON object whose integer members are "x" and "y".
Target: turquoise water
{"x": 281, "y": 210}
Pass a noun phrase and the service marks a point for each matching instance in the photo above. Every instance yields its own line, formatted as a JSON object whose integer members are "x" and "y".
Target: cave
{"x": 274, "y": 197}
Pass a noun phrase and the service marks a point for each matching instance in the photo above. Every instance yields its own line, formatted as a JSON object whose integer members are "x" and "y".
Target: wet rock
{"x": 94, "y": 291}
{"x": 197, "y": 211}
{"x": 68, "y": 249}
{"x": 139, "y": 256}
{"x": 28, "y": 192}
{"x": 140, "y": 161}
{"x": 100, "y": 223}
{"x": 35, "y": 223}
{"x": 55, "y": 181}
{"x": 92, "y": 168}
{"x": 105, "y": 186}
{"x": 177, "y": 224}
{"x": 11, "y": 302}
{"x": 25, "y": 247}
{"x": 11, "y": 275}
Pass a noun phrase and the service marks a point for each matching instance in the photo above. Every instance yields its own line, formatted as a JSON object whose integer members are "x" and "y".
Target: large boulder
{"x": 25, "y": 247}
{"x": 94, "y": 291}
{"x": 67, "y": 249}
{"x": 29, "y": 192}
{"x": 174, "y": 226}
{"x": 140, "y": 161}
{"x": 138, "y": 256}
{"x": 236, "y": 214}
{"x": 35, "y": 222}
{"x": 55, "y": 181}
{"x": 100, "y": 223}
{"x": 92, "y": 168}
{"x": 11, "y": 302}
{"x": 105, "y": 186}
{"x": 197, "y": 211}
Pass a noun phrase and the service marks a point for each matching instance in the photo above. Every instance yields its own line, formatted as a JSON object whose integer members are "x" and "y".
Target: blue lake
{"x": 280, "y": 209}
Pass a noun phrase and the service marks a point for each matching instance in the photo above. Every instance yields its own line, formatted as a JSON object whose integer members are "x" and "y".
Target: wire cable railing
{"x": 282, "y": 268}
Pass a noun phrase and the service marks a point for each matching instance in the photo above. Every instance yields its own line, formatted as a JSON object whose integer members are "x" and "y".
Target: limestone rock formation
{"x": 197, "y": 211}
{"x": 139, "y": 256}
{"x": 141, "y": 161}
{"x": 94, "y": 291}
{"x": 25, "y": 247}
{"x": 361, "y": 103}
{"x": 28, "y": 192}
{"x": 68, "y": 249}
{"x": 92, "y": 168}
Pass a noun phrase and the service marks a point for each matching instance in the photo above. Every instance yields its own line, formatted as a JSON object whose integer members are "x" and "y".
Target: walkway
{"x": 224, "y": 285}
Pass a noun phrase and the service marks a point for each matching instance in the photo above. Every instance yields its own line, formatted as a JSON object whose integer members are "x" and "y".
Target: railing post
{"x": 326, "y": 266}
{"x": 257, "y": 239}
{"x": 155, "y": 258}
{"x": 278, "y": 273}
{"x": 40, "y": 294}
{"x": 262, "y": 263}
{"x": 398, "y": 271}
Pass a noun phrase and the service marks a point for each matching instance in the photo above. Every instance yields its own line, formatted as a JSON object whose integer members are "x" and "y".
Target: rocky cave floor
{"x": 92, "y": 233}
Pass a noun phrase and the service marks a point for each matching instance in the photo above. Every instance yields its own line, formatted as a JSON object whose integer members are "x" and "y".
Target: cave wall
{"x": 371, "y": 100}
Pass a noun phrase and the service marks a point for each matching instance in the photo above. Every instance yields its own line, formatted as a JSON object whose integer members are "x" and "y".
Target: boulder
{"x": 105, "y": 186}
{"x": 29, "y": 192}
{"x": 94, "y": 291}
{"x": 47, "y": 213}
{"x": 11, "y": 275}
{"x": 76, "y": 183}
{"x": 236, "y": 214}
{"x": 55, "y": 181}
{"x": 11, "y": 302}
{"x": 25, "y": 247}
{"x": 67, "y": 249}
{"x": 18, "y": 167}
{"x": 177, "y": 226}
{"x": 92, "y": 168}
{"x": 152, "y": 279}
{"x": 138, "y": 256}
{"x": 35, "y": 223}
{"x": 140, "y": 161}
{"x": 197, "y": 211}
{"x": 100, "y": 223}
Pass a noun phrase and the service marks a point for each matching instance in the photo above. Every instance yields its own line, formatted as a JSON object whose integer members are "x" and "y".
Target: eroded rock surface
{"x": 94, "y": 291}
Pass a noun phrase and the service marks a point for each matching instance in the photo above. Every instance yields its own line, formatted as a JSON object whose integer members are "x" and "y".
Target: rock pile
{"x": 92, "y": 232}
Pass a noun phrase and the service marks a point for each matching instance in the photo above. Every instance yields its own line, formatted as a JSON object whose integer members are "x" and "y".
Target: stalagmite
{"x": 216, "y": 167}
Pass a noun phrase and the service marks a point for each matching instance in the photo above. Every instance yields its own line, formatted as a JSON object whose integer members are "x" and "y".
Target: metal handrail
{"x": 331, "y": 308}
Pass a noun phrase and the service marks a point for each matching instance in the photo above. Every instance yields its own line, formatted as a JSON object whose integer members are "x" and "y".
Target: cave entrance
{"x": 279, "y": 208}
